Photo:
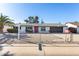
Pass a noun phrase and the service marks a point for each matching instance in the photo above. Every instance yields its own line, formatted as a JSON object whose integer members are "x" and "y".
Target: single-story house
{"x": 42, "y": 28}
{"x": 46, "y": 27}
{"x": 73, "y": 26}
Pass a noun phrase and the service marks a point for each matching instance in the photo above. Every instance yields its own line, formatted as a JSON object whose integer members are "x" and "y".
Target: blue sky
{"x": 48, "y": 12}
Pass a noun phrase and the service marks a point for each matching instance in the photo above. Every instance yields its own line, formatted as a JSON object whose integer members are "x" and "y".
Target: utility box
{"x": 40, "y": 46}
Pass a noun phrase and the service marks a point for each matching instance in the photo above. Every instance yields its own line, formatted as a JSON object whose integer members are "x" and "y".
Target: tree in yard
{"x": 32, "y": 19}
{"x": 42, "y": 22}
{"x": 36, "y": 18}
{"x": 4, "y": 20}
{"x": 27, "y": 21}
{"x": 76, "y": 22}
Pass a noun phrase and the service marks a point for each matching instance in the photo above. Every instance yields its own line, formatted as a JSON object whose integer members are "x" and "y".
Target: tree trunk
{"x": 1, "y": 29}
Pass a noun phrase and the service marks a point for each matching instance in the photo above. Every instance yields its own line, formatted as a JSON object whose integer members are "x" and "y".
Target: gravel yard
{"x": 44, "y": 38}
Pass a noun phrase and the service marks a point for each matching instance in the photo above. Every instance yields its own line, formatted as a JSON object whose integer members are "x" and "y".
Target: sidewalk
{"x": 23, "y": 49}
{"x": 32, "y": 50}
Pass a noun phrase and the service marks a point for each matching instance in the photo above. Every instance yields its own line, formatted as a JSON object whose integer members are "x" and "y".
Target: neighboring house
{"x": 6, "y": 27}
{"x": 42, "y": 28}
{"x": 73, "y": 26}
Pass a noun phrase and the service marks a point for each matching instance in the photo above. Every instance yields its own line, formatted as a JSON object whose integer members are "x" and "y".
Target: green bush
{"x": 29, "y": 31}
{"x": 12, "y": 30}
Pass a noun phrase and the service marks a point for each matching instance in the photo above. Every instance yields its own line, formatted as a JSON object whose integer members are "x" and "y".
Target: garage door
{"x": 56, "y": 29}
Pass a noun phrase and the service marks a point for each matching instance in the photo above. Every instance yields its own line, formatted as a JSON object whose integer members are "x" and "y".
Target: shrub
{"x": 12, "y": 30}
{"x": 29, "y": 31}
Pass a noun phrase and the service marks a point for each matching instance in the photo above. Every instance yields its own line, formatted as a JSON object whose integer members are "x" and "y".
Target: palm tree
{"x": 4, "y": 20}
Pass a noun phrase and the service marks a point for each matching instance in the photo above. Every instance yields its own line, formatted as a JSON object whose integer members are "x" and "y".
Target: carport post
{"x": 18, "y": 31}
{"x": 71, "y": 37}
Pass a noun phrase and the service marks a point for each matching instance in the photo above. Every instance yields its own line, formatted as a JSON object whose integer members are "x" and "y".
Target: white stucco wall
{"x": 33, "y": 29}
{"x": 46, "y": 31}
{"x": 77, "y": 29}
{"x": 64, "y": 28}
{"x": 23, "y": 29}
{"x": 71, "y": 25}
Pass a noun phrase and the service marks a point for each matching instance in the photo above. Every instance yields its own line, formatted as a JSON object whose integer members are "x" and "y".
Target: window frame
{"x": 43, "y": 28}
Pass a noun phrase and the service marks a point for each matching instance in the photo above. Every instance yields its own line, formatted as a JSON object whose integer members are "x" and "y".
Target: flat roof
{"x": 44, "y": 24}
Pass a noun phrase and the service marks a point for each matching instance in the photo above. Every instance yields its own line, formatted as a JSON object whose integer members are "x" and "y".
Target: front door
{"x": 36, "y": 29}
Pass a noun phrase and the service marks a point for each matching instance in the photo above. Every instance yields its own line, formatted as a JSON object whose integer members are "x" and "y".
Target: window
{"x": 29, "y": 27}
{"x": 43, "y": 28}
{"x": 16, "y": 27}
{"x": 20, "y": 27}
